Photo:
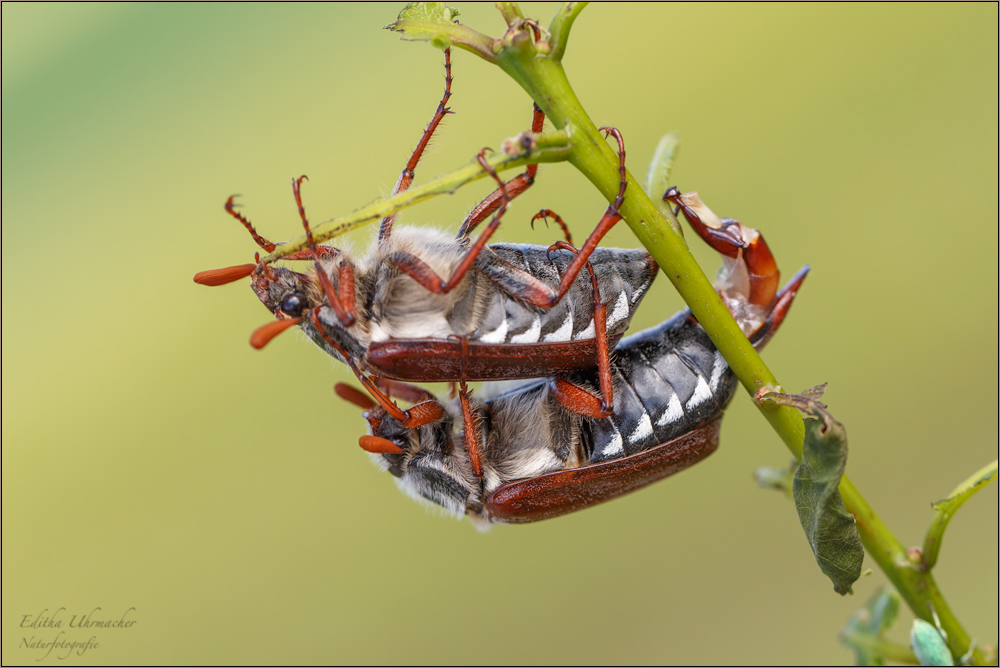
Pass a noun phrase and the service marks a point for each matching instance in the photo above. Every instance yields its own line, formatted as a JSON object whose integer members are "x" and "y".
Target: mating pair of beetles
{"x": 589, "y": 425}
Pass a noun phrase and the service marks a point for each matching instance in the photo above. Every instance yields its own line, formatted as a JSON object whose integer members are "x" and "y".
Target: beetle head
{"x": 290, "y": 294}
{"x": 427, "y": 465}
{"x": 296, "y": 298}
{"x": 284, "y": 292}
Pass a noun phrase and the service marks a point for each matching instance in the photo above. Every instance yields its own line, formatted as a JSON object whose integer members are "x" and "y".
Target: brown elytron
{"x": 554, "y": 494}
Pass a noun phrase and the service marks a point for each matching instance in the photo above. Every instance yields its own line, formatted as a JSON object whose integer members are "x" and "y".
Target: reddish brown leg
{"x": 342, "y": 304}
{"x": 601, "y": 337}
{"x": 406, "y": 176}
{"x": 324, "y": 251}
{"x": 471, "y": 431}
{"x": 422, "y": 273}
{"x": 549, "y": 297}
{"x": 545, "y": 214}
{"x": 405, "y": 391}
{"x": 215, "y": 277}
{"x": 729, "y": 237}
{"x": 264, "y": 269}
{"x": 782, "y": 304}
{"x": 534, "y": 291}
{"x": 514, "y": 187}
{"x": 418, "y": 415}
{"x": 577, "y": 399}
{"x": 231, "y": 210}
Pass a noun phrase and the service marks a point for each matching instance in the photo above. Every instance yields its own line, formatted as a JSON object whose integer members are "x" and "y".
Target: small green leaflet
{"x": 658, "y": 175}
{"x": 779, "y": 479}
{"x": 423, "y": 21}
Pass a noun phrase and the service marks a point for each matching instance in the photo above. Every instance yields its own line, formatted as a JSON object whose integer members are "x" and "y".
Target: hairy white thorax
{"x": 404, "y": 309}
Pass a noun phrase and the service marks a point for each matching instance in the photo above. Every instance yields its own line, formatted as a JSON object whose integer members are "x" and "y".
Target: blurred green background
{"x": 152, "y": 459}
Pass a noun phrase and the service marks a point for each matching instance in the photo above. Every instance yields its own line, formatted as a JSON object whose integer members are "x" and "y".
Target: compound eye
{"x": 293, "y": 303}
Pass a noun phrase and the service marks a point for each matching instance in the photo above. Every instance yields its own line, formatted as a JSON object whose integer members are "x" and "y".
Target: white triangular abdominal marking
{"x": 564, "y": 331}
{"x": 673, "y": 413}
{"x": 643, "y": 430}
{"x": 498, "y": 335}
{"x": 615, "y": 447}
{"x": 620, "y": 311}
{"x": 587, "y": 333}
{"x": 718, "y": 368}
{"x": 701, "y": 393}
{"x": 530, "y": 336}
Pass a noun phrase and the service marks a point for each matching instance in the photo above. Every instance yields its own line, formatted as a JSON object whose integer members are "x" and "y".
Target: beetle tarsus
{"x": 409, "y": 171}
{"x": 261, "y": 241}
{"x": 620, "y": 199}
{"x": 545, "y": 214}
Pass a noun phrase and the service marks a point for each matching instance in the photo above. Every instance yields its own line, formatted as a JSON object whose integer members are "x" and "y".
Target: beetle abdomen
{"x": 668, "y": 380}
{"x": 623, "y": 276}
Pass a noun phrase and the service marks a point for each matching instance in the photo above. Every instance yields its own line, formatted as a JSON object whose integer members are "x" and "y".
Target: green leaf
{"x": 435, "y": 22}
{"x": 929, "y": 646}
{"x": 430, "y": 21}
{"x": 658, "y": 176}
{"x": 865, "y": 629}
{"x": 779, "y": 479}
{"x": 428, "y": 12}
{"x": 830, "y": 529}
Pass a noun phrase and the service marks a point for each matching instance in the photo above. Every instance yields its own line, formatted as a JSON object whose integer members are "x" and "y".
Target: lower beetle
{"x": 539, "y": 458}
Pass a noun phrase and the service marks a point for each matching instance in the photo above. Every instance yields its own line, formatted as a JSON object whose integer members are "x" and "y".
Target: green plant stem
{"x": 947, "y": 508}
{"x": 550, "y": 147}
{"x": 544, "y": 79}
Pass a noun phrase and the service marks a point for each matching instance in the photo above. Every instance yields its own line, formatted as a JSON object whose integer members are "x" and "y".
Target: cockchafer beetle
{"x": 537, "y": 459}
{"x": 507, "y": 311}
